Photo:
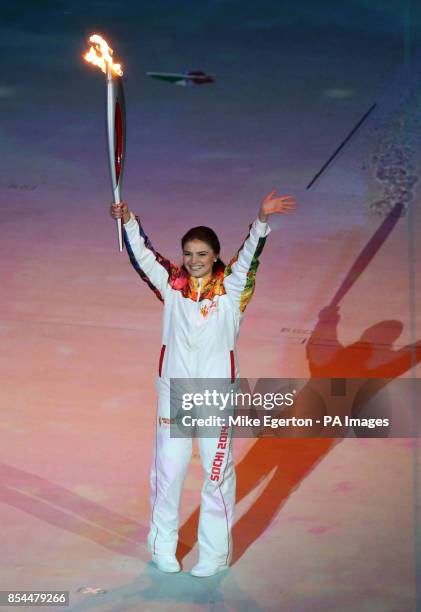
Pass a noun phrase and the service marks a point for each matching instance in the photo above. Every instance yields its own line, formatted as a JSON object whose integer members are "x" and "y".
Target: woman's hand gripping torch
{"x": 100, "y": 54}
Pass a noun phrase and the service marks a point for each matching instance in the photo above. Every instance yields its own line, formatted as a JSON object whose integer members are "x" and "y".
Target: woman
{"x": 204, "y": 302}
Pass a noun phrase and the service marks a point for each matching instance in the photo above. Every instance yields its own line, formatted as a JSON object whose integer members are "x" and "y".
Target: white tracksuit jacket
{"x": 200, "y": 328}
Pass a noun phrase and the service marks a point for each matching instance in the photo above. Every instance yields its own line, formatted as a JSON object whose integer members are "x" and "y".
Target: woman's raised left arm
{"x": 240, "y": 273}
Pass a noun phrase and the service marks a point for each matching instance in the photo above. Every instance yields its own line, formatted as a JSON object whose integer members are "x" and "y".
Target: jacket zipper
{"x": 200, "y": 287}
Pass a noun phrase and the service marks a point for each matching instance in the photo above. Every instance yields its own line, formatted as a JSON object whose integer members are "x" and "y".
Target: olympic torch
{"x": 100, "y": 54}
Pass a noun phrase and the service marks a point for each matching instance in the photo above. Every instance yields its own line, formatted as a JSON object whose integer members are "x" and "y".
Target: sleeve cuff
{"x": 263, "y": 229}
{"x": 131, "y": 222}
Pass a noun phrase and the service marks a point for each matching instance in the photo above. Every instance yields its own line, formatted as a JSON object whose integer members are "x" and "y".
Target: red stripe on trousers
{"x": 161, "y": 358}
{"x": 232, "y": 366}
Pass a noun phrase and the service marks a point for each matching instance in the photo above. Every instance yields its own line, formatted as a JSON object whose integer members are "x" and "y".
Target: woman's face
{"x": 198, "y": 258}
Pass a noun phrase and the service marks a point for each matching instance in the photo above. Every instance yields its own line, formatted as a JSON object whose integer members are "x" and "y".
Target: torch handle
{"x": 119, "y": 221}
{"x": 120, "y": 235}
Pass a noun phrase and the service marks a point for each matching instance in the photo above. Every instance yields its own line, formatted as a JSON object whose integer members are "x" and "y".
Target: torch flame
{"x": 100, "y": 54}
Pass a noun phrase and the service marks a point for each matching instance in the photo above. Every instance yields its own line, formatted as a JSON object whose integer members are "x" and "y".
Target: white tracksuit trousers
{"x": 169, "y": 467}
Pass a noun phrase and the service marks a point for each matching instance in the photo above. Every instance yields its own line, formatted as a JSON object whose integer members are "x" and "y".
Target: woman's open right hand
{"x": 120, "y": 211}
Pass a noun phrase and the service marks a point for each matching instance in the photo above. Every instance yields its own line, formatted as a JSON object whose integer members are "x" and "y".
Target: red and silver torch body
{"x": 116, "y": 136}
{"x": 100, "y": 55}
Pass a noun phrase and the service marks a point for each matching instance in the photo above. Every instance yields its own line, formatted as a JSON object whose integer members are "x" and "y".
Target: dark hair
{"x": 205, "y": 234}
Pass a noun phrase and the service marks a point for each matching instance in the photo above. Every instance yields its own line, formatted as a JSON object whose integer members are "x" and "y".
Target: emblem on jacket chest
{"x": 208, "y": 309}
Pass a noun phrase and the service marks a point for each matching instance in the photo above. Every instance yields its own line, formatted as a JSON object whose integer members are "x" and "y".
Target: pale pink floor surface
{"x": 81, "y": 337}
